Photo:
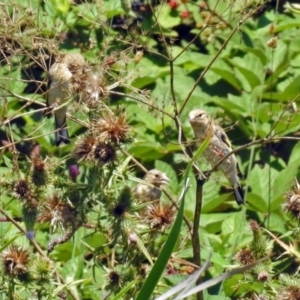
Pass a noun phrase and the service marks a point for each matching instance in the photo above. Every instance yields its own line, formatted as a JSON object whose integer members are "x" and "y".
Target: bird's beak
{"x": 165, "y": 179}
{"x": 191, "y": 119}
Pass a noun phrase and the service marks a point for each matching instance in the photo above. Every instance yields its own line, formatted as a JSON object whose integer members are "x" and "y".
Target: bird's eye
{"x": 156, "y": 175}
{"x": 200, "y": 115}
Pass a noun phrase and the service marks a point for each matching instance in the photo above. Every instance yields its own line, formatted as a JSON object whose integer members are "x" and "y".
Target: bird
{"x": 151, "y": 192}
{"x": 219, "y": 146}
{"x": 60, "y": 91}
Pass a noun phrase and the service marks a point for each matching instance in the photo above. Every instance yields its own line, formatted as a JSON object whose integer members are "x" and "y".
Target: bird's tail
{"x": 62, "y": 135}
{"x": 239, "y": 195}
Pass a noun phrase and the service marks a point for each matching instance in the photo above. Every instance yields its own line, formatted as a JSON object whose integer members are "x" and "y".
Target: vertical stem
{"x": 195, "y": 233}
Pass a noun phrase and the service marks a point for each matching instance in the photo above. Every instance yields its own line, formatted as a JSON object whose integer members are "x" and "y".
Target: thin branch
{"x": 237, "y": 27}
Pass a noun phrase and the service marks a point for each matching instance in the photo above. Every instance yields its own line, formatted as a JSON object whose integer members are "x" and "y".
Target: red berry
{"x": 173, "y": 4}
{"x": 185, "y": 14}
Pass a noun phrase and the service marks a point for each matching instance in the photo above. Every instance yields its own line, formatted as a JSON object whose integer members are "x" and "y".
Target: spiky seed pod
{"x": 84, "y": 148}
{"x": 112, "y": 128}
{"x": 292, "y": 202}
{"x": 128, "y": 274}
{"x": 39, "y": 173}
{"x": 244, "y": 256}
{"x": 261, "y": 246}
{"x": 254, "y": 226}
{"x": 41, "y": 269}
{"x": 263, "y": 276}
{"x": 15, "y": 262}
{"x": 29, "y": 212}
{"x": 92, "y": 88}
{"x": 104, "y": 153}
{"x": 57, "y": 212}
{"x": 123, "y": 204}
{"x": 159, "y": 216}
{"x": 290, "y": 290}
{"x": 290, "y": 293}
{"x": 74, "y": 61}
{"x": 76, "y": 197}
{"x": 89, "y": 86}
{"x": 114, "y": 278}
{"x": 22, "y": 189}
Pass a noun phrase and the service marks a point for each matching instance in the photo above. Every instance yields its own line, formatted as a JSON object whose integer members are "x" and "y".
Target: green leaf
{"x": 230, "y": 224}
{"x": 167, "y": 17}
{"x": 124, "y": 291}
{"x": 251, "y": 68}
{"x": 62, "y": 6}
{"x": 113, "y": 8}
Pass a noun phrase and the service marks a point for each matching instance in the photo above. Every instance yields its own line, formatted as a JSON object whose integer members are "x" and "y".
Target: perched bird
{"x": 60, "y": 91}
{"x": 144, "y": 192}
{"x": 219, "y": 146}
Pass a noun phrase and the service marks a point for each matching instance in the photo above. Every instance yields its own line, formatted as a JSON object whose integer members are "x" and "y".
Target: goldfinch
{"x": 60, "y": 91}
{"x": 219, "y": 146}
{"x": 151, "y": 192}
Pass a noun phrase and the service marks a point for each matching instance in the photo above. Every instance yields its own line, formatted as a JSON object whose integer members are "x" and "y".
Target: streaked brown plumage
{"x": 219, "y": 146}
{"x": 59, "y": 91}
{"x": 151, "y": 192}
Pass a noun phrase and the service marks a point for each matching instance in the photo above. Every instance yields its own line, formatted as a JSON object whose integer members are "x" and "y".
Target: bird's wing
{"x": 222, "y": 136}
{"x": 220, "y": 133}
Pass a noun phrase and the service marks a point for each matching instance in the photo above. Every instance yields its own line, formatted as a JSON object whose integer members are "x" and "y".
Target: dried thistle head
{"x": 57, "y": 212}
{"x": 114, "y": 278}
{"x": 84, "y": 148}
{"x": 244, "y": 256}
{"x": 74, "y": 61}
{"x": 159, "y": 217}
{"x": 289, "y": 293}
{"x": 104, "y": 153}
{"x": 112, "y": 128}
{"x": 22, "y": 189}
{"x": 290, "y": 287}
{"x": 15, "y": 261}
{"x": 90, "y": 86}
{"x": 254, "y": 226}
{"x": 39, "y": 171}
{"x": 292, "y": 201}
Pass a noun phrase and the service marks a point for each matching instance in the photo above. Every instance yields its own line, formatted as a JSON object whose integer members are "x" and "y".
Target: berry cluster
{"x": 184, "y": 14}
